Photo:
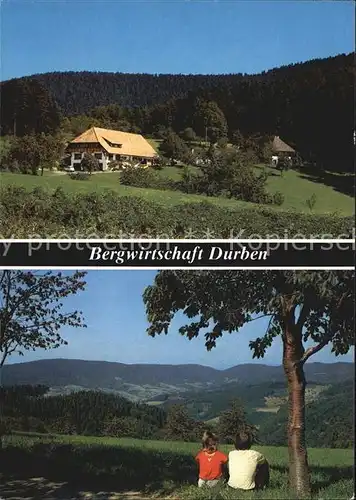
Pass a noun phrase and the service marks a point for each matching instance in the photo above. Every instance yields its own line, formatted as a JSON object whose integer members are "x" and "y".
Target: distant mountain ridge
{"x": 119, "y": 376}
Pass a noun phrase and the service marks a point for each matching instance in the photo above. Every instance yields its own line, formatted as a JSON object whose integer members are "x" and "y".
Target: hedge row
{"x": 45, "y": 214}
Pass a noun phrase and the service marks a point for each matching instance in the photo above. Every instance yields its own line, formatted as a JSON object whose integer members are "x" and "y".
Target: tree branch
{"x": 303, "y": 315}
{"x": 263, "y": 316}
{"x": 4, "y": 356}
{"x": 269, "y": 323}
{"x": 313, "y": 350}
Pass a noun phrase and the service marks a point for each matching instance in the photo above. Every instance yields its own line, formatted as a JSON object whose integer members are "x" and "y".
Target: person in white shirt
{"x": 248, "y": 469}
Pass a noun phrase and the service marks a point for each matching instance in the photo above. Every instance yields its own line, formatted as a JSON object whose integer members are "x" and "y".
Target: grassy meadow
{"x": 102, "y": 467}
{"x": 297, "y": 188}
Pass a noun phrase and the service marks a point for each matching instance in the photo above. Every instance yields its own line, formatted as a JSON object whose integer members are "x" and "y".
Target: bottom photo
{"x": 186, "y": 384}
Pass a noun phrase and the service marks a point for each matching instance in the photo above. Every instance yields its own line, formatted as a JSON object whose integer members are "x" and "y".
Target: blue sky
{"x": 167, "y": 36}
{"x": 114, "y": 312}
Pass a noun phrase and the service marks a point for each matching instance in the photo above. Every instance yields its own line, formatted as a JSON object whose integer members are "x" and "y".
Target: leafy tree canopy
{"x": 31, "y": 309}
{"x": 234, "y": 420}
{"x": 322, "y": 303}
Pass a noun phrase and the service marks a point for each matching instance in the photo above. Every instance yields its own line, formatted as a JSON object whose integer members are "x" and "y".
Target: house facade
{"x": 108, "y": 146}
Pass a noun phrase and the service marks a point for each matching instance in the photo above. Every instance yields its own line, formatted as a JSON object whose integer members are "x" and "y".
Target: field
{"x": 93, "y": 467}
{"x": 297, "y": 188}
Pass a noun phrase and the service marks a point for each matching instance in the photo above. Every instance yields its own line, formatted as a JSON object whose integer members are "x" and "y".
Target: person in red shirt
{"x": 211, "y": 462}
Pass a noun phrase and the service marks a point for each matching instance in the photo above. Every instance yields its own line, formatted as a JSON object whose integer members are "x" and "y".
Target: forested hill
{"x": 79, "y": 92}
{"x": 329, "y": 417}
{"x": 110, "y": 375}
{"x": 310, "y": 105}
{"x": 329, "y": 420}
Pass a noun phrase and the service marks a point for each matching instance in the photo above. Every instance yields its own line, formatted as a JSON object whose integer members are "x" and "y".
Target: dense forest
{"x": 310, "y": 105}
{"x": 29, "y": 408}
{"x": 79, "y": 92}
{"x": 207, "y": 404}
{"x": 329, "y": 420}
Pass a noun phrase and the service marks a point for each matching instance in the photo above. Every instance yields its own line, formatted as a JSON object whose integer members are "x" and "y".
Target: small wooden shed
{"x": 281, "y": 150}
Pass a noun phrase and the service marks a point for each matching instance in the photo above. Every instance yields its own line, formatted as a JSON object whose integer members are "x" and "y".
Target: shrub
{"x": 40, "y": 212}
{"x": 145, "y": 178}
{"x": 230, "y": 175}
{"x": 189, "y": 181}
{"x": 310, "y": 202}
{"x": 160, "y": 163}
{"x": 89, "y": 163}
{"x": 284, "y": 164}
{"x": 13, "y": 166}
{"x": 251, "y": 157}
{"x": 248, "y": 186}
{"x": 188, "y": 135}
{"x": 27, "y": 424}
{"x": 278, "y": 198}
{"x": 115, "y": 165}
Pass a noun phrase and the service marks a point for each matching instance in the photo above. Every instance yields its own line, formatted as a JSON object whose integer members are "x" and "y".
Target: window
{"x": 113, "y": 144}
{"x": 111, "y": 157}
{"x": 77, "y": 156}
{"x": 98, "y": 155}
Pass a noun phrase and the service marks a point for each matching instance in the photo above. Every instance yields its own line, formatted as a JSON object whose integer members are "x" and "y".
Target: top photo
{"x": 177, "y": 120}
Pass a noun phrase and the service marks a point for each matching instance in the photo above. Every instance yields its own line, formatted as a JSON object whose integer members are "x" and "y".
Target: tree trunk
{"x": 299, "y": 477}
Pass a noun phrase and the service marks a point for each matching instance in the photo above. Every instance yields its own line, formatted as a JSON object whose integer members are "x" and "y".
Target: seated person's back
{"x": 248, "y": 468}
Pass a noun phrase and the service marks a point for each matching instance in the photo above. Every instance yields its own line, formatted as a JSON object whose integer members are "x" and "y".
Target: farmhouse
{"x": 281, "y": 150}
{"x": 108, "y": 145}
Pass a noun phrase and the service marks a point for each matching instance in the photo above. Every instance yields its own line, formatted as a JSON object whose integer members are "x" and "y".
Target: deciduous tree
{"x": 234, "y": 420}
{"x": 209, "y": 120}
{"x": 34, "y": 152}
{"x": 188, "y": 135}
{"x": 89, "y": 163}
{"x": 179, "y": 425}
{"x": 308, "y": 310}
{"x": 174, "y": 148}
{"x": 31, "y": 310}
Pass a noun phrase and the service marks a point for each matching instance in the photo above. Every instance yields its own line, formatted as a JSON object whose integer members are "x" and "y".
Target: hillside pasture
{"x": 296, "y": 187}
{"x": 101, "y": 467}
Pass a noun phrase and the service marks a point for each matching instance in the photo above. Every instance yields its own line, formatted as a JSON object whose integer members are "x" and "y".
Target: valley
{"x": 204, "y": 391}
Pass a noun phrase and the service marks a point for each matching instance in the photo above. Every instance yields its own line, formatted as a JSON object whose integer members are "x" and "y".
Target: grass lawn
{"x": 331, "y": 469}
{"x": 295, "y": 187}
{"x": 105, "y": 181}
